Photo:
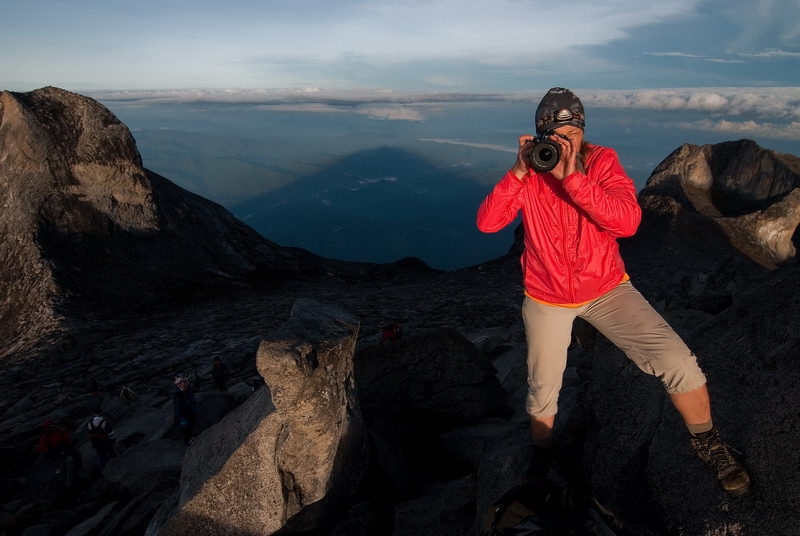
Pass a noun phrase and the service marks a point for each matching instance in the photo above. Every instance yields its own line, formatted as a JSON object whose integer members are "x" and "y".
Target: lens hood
{"x": 543, "y": 154}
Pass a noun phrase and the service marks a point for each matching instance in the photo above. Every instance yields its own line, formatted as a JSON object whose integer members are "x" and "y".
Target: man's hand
{"x": 570, "y": 143}
{"x": 520, "y": 168}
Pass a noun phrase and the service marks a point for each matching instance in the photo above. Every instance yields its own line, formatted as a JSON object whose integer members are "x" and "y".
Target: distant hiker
{"x": 219, "y": 373}
{"x": 185, "y": 407}
{"x": 102, "y": 437}
{"x": 572, "y": 216}
{"x": 126, "y": 393}
{"x": 391, "y": 332}
{"x": 94, "y": 387}
{"x": 57, "y": 444}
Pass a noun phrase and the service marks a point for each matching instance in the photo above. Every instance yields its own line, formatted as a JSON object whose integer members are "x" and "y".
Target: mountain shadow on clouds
{"x": 379, "y": 205}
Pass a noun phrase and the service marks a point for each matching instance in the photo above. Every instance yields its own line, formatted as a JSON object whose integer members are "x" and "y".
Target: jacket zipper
{"x": 565, "y": 248}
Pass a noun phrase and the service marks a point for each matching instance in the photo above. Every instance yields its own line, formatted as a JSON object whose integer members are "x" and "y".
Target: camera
{"x": 542, "y": 154}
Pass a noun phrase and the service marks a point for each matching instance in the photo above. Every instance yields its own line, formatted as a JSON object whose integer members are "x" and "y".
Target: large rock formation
{"x": 84, "y": 221}
{"x": 259, "y": 470}
{"x": 734, "y": 192}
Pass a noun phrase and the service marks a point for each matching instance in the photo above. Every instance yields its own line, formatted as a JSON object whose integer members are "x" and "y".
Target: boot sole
{"x": 738, "y": 492}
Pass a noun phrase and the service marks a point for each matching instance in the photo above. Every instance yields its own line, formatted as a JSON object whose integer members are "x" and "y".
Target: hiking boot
{"x": 571, "y": 469}
{"x": 539, "y": 464}
{"x": 715, "y": 453}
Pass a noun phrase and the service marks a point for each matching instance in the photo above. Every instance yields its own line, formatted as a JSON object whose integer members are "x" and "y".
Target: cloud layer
{"x": 402, "y": 44}
{"x": 767, "y": 112}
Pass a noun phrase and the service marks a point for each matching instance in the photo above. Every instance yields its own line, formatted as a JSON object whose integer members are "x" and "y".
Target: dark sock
{"x": 701, "y": 430}
{"x": 702, "y": 436}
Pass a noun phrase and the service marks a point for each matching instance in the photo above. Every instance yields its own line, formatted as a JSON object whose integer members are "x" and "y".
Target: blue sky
{"x": 443, "y": 45}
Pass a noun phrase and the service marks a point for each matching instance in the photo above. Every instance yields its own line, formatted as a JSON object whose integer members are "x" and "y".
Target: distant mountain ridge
{"x": 84, "y": 220}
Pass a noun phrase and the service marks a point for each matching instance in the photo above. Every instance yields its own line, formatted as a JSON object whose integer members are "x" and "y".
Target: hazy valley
{"x": 383, "y": 179}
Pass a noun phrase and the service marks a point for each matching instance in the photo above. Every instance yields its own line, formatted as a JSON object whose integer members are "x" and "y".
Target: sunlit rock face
{"x": 747, "y": 192}
{"x": 293, "y": 464}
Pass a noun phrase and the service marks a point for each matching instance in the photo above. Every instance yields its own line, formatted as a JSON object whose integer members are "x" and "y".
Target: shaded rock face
{"x": 749, "y": 353}
{"x": 416, "y": 389}
{"x": 83, "y": 220}
{"x": 460, "y": 385}
{"x": 71, "y": 172}
{"x": 637, "y": 448}
{"x": 743, "y": 193}
{"x": 739, "y": 176}
{"x": 748, "y": 178}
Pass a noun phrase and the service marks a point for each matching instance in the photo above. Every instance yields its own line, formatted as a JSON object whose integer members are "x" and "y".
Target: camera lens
{"x": 544, "y": 155}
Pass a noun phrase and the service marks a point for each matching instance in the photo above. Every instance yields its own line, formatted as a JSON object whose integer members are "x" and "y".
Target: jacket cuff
{"x": 574, "y": 177}
{"x": 511, "y": 176}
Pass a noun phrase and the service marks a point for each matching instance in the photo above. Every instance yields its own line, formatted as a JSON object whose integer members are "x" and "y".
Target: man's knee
{"x": 538, "y": 407}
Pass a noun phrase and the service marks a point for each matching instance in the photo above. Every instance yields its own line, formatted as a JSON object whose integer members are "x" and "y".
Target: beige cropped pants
{"x": 627, "y": 320}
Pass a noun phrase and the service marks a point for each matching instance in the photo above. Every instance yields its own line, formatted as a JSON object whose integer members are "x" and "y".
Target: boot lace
{"x": 716, "y": 454}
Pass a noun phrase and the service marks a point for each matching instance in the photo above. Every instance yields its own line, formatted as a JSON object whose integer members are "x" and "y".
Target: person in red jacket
{"x": 572, "y": 216}
{"x": 57, "y": 444}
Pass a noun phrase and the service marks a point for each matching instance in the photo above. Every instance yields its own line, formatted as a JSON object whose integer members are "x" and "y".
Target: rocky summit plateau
{"x": 114, "y": 277}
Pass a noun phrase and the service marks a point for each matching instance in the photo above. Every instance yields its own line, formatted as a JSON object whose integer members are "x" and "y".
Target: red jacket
{"x": 571, "y": 254}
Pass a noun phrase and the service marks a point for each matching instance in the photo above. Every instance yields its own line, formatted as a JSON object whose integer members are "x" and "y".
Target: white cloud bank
{"x": 782, "y": 102}
{"x": 772, "y": 112}
{"x": 732, "y": 99}
{"x": 762, "y": 112}
{"x": 790, "y": 131}
{"x": 401, "y": 113}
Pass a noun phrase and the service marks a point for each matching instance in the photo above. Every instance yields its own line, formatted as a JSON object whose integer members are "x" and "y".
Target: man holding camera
{"x": 576, "y": 200}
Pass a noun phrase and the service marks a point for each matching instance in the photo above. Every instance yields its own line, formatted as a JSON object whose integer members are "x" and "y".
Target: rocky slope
{"x": 83, "y": 222}
{"x": 113, "y": 276}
